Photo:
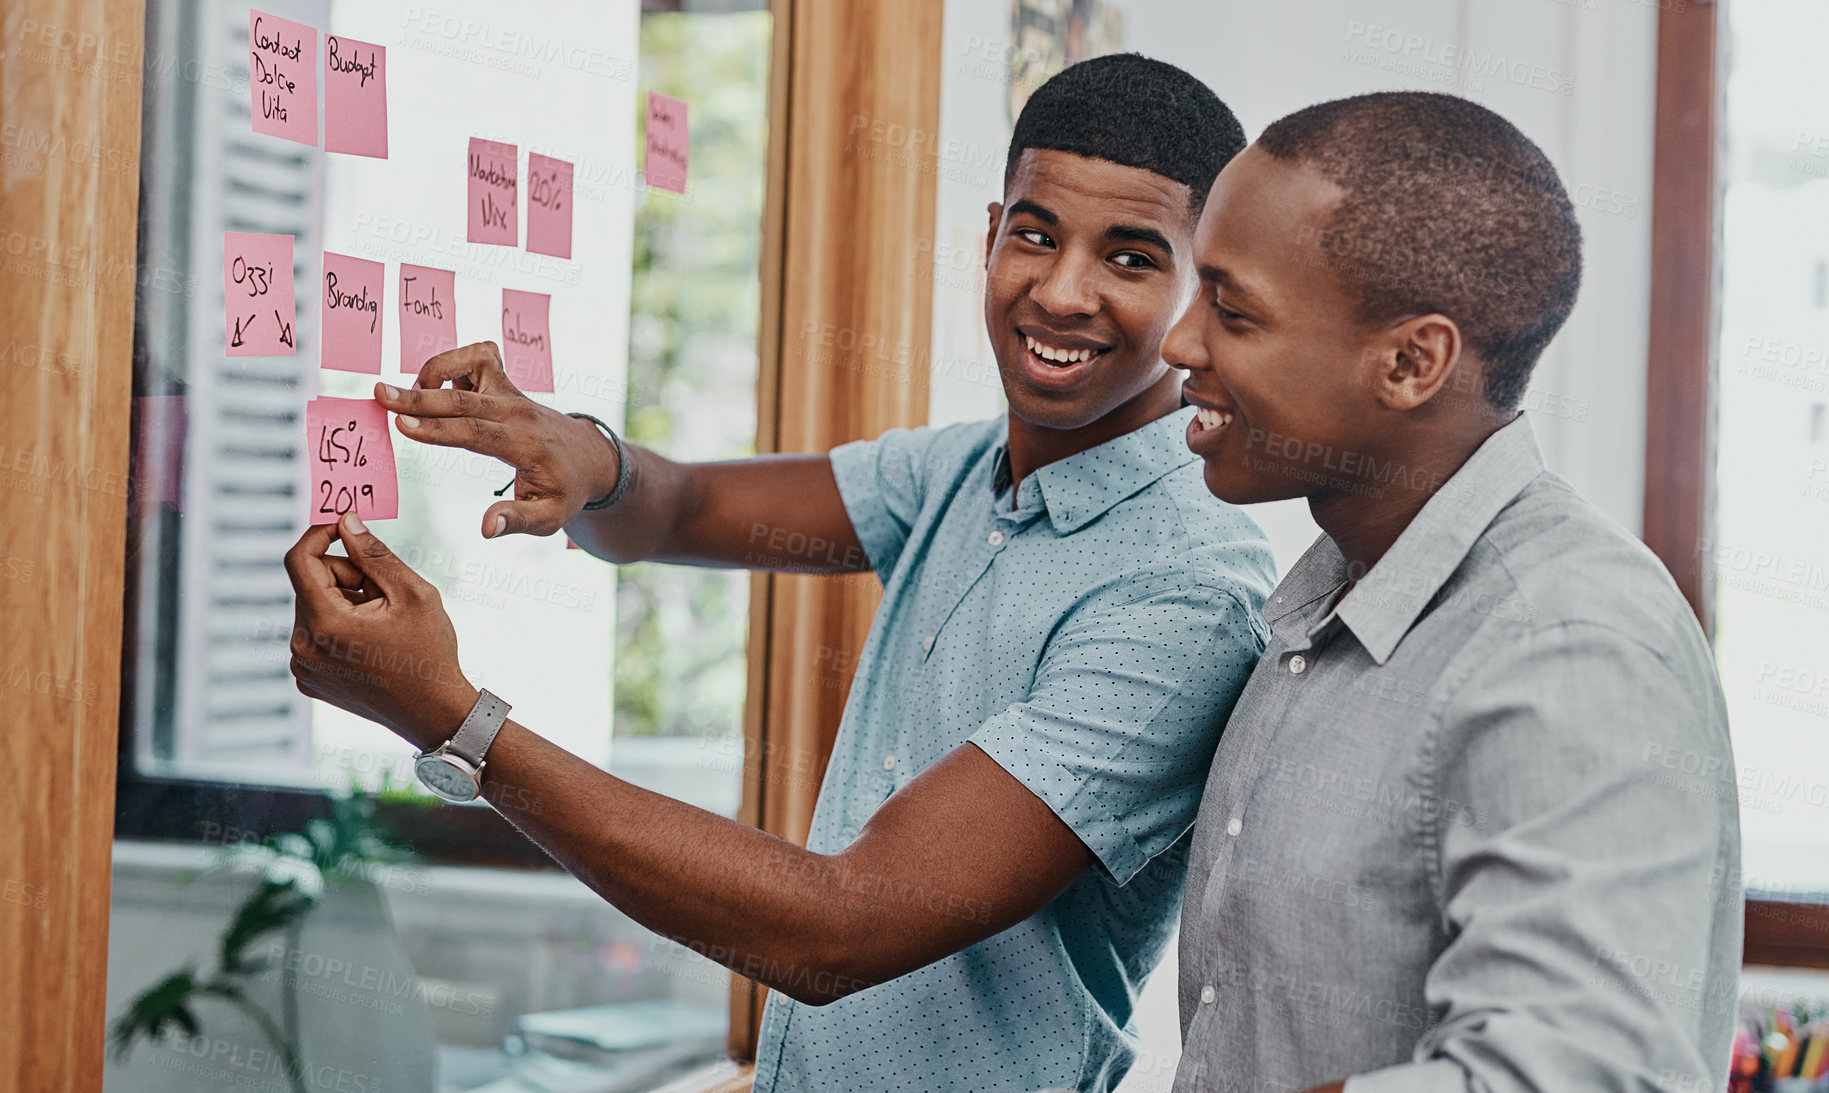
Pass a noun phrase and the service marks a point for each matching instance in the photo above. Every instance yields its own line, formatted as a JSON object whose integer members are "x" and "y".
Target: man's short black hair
{"x": 1449, "y": 209}
{"x": 1133, "y": 111}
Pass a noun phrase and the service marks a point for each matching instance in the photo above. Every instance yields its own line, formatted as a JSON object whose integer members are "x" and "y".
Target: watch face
{"x": 445, "y": 778}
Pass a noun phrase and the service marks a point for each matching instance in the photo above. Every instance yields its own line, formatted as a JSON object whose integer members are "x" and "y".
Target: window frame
{"x": 817, "y": 192}
{"x": 168, "y": 807}
{"x": 1681, "y": 401}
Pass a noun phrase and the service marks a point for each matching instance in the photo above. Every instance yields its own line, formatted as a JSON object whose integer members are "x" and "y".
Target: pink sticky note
{"x": 355, "y": 97}
{"x": 527, "y": 345}
{"x": 352, "y": 460}
{"x": 549, "y": 206}
{"x": 428, "y": 315}
{"x": 260, "y": 312}
{"x": 494, "y": 217}
{"x": 283, "y": 77}
{"x": 667, "y": 144}
{"x": 352, "y": 313}
{"x": 158, "y": 453}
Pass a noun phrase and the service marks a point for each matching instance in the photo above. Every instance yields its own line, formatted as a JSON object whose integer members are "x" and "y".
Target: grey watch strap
{"x": 478, "y": 730}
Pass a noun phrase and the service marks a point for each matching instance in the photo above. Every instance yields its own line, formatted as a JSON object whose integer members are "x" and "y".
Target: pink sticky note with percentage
{"x": 527, "y": 345}
{"x": 667, "y": 143}
{"x": 352, "y": 460}
{"x": 260, "y": 313}
{"x": 352, "y": 313}
{"x": 549, "y": 206}
{"x": 283, "y": 77}
{"x": 428, "y": 314}
{"x": 355, "y": 97}
{"x": 494, "y": 216}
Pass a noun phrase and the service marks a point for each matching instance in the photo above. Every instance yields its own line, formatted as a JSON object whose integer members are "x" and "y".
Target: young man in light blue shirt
{"x": 998, "y": 848}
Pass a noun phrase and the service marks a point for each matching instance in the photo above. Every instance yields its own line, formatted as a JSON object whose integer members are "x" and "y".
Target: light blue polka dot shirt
{"x": 1090, "y": 634}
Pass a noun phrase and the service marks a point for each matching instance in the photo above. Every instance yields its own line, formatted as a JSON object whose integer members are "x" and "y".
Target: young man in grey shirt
{"x": 1437, "y": 850}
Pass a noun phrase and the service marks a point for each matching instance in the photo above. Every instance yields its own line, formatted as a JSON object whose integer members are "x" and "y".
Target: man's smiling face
{"x": 1278, "y": 361}
{"x": 1087, "y": 265}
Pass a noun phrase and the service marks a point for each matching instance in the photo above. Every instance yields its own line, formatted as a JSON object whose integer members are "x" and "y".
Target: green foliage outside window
{"x": 681, "y": 633}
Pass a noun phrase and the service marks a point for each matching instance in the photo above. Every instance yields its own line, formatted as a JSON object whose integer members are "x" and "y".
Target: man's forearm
{"x": 781, "y": 512}
{"x": 814, "y": 926}
{"x": 773, "y": 512}
{"x": 700, "y": 879}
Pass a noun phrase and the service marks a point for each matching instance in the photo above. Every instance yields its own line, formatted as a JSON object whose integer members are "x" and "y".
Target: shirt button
{"x": 1234, "y": 826}
{"x": 996, "y": 538}
{"x": 888, "y": 762}
{"x": 927, "y": 643}
{"x": 1207, "y": 994}
{"x": 1297, "y": 665}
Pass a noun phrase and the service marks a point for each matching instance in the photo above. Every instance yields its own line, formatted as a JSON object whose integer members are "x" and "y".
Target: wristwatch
{"x": 454, "y": 771}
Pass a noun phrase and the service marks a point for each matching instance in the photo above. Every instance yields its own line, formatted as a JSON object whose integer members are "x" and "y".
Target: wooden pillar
{"x": 847, "y": 315}
{"x": 70, "y": 106}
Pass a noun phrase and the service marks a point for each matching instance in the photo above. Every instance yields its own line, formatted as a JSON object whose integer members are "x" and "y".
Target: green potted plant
{"x": 292, "y": 869}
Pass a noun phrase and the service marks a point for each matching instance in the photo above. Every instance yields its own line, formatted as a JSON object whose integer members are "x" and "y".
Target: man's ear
{"x": 1413, "y": 360}
{"x": 995, "y": 208}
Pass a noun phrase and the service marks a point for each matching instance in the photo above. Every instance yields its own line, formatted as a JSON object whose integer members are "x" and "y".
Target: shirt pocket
{"x": 942, "y": 601}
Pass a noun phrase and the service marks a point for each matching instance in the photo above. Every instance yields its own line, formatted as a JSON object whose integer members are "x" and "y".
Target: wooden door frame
{"x": 72, "y": 70}
{"x": 847, "y": 314}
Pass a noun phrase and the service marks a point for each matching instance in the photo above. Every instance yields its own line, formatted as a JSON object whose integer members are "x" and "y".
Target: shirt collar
{"x": 1082, "y": 487}
{"x": 1384, "y": 605}
{"x": 1318, "y": 572}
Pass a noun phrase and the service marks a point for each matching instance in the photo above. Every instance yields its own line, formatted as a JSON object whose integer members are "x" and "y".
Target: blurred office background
{"x": 411, "y": 948}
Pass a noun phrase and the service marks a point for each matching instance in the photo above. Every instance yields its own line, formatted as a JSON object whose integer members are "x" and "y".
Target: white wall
{"x": 1266, "y": 60}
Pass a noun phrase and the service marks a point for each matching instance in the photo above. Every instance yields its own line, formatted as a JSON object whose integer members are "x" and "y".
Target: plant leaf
{"x": 270, "y": 907}
{"x": 166, "y": 1001}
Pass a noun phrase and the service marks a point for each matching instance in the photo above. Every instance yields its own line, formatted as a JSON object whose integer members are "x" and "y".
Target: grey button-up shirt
{"x": 1474, "y": 828}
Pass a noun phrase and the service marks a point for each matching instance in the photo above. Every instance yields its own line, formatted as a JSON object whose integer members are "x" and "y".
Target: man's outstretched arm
{"x": 769, "y": 512}
{"x": 962, "y": 852}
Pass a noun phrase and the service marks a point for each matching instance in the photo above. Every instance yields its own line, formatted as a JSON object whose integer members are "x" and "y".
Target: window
{"x": 1770, "y": 557}
{"x": 420, "y": 954}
